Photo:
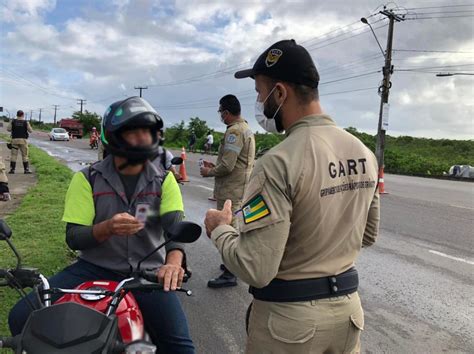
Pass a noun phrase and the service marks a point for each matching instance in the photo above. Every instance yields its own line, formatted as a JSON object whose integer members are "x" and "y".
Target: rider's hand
{"x": 124, "y": 224}
{"x": 171, "y": 276}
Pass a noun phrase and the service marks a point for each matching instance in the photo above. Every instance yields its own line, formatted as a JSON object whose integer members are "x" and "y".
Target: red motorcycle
{"x": 95, "y": 317}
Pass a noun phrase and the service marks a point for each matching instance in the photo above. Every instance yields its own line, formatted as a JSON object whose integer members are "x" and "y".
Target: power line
{"x": 310, "y": 47}
{"x": 433, "y": 67}
{"x": 349, "y": 78}
{"x": 211, "y": 106}
{"x": 432, "y": 51}
{"x": 438, "y": 7}
{"x": 28, "y": 82}
{"x": 441, "y": 13}
{"x": 439, "y": 17}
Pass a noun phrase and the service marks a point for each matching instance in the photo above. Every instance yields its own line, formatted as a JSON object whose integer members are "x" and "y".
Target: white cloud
{"x": 102, "y": 55}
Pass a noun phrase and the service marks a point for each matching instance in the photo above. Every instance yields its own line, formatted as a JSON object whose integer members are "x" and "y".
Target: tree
{"x": 199, "y": 127}
{"x": 88, "y": 120}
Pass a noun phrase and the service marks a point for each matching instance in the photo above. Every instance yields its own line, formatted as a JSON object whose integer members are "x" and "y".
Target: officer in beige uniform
{"x": 20, "y": 130}
{"x": 311, "y": 204}
{"x": 4, "y": 191}
{"x": 232, "y": 169}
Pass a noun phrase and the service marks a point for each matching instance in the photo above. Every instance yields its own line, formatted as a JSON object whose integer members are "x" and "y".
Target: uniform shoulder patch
{"x": 231, "y": 138}
{"x": 255, "y": 209}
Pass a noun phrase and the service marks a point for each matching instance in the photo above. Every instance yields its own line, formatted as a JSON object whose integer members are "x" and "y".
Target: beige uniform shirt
{"x": 234, "y": 162}
{"x": 309, "y": 206}
{"x": 3, "y": 176}
{"x": 20, "y": 141}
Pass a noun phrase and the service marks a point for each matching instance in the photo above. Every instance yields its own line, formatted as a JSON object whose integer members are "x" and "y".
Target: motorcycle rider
{"x": 100, "y": 206}
{"x": 94, "y": 139}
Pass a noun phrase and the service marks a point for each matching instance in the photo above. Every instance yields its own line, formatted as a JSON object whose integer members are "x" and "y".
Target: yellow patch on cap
{"x": 272, "y": 57}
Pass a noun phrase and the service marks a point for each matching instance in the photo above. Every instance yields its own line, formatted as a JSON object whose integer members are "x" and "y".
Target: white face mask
{"x": 269, "y": 124}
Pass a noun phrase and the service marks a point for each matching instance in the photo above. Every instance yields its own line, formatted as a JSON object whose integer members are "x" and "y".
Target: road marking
{"x": 451, "y": 257}
{"x": 462, "y": 207}
{"x": 201, "y": 186}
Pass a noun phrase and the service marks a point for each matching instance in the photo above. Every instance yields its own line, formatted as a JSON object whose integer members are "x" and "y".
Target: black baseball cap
{"x": 287, "y": 61}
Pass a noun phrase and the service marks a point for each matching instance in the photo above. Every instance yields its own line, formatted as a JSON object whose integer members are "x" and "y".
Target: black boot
{"x": 12, "y": 167}
{"x": 26, "y": 168}
{"x": 226, "y": 279}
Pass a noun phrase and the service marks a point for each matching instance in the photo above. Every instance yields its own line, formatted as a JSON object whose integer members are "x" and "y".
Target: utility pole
{"x": 141, "y": 88}
{"x": 40, "y": 114}
{"x": 81, "y": 102}
{"x": 55, "y": 109}
{"x": 384, "y": 89}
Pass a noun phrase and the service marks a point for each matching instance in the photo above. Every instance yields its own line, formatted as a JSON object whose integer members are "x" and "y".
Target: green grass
{"x": 38, "y": 232}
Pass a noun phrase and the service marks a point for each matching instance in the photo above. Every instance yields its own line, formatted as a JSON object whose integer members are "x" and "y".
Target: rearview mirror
{"x": 184, "y": 231}
{"x": 176, "y": 161}
{"x": 5, "y": 231}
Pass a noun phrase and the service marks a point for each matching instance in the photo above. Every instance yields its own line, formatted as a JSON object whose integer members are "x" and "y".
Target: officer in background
{"x": 311, "y": 204}
{"x": 20, "y": 130}
{"x": 4, "y": 191}
{"x": 232, "y": 169}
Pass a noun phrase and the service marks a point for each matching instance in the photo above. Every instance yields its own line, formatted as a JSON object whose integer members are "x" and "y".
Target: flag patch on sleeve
{"x": 255, "y": 209}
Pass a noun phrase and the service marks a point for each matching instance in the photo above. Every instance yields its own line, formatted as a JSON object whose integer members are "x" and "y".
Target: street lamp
{"x": 451, "y": 74}
{"x": 364, "y": 20}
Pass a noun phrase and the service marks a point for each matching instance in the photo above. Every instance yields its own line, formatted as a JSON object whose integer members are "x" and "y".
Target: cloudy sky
{"x": 54, "y": 52}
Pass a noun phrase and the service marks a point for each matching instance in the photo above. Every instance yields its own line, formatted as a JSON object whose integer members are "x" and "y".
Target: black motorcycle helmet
{"x": 161, "y": 142}
{"x": 128, "y": 114}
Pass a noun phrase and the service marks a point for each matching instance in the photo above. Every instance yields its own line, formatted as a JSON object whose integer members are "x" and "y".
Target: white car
{"x": 58, "y": 134}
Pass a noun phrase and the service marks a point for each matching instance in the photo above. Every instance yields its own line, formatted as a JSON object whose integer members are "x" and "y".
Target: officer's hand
{"x": 171, "y": 276}
{"x": 208, "y": 164}
{"x": 124, "y": 224}
{"x": 215, "y": 218}
{"x": 205, "y": 171}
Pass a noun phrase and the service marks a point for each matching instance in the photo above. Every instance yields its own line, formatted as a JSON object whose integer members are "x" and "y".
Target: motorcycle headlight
{"x": 140, "y": 347}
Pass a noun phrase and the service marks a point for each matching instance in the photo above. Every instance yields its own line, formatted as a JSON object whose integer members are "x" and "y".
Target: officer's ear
{"x": 281, "y": 92}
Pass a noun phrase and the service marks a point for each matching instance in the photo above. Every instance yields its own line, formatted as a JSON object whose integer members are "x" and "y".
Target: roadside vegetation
{"x": 38, "y": 232}
{"x": 404, "y": 155}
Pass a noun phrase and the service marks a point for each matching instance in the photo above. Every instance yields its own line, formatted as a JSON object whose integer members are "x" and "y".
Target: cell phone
{"x": 141, "y": 212}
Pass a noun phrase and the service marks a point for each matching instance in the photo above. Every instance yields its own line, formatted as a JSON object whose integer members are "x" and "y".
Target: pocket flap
{"x": 358, "y": 321}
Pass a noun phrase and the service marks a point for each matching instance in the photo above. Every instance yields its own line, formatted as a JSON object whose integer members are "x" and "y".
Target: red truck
{"x": 73, "y": 126}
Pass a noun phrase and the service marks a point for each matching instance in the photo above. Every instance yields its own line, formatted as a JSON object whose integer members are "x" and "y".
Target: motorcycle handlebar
{"x": 9, "y": 342}
{"x": 149, "y": 275}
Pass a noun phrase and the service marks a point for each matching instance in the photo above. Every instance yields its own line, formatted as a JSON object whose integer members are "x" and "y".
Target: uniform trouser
{"x": 23, "y": 149}
{"x": 3, "y": 176}
{"x": 319, "y": 326}
{"x": 164, "y": 318}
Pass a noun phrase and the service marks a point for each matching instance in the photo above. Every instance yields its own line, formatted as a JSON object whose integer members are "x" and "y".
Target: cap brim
{"x": 244, "y": 73}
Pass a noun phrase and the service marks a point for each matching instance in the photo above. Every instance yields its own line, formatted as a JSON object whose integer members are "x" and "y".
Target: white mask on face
{"x": 266, "y": 123}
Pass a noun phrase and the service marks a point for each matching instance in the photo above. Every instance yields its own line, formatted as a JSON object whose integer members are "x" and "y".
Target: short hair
{"x": 20, "y": 113}
{"x": 304, "y": 94}
{"x": 230, "y": 103}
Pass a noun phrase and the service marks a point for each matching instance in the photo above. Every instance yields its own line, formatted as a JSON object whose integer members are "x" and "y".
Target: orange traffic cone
{"x": 182, "y": 167}
{"x": 381, "y": 182}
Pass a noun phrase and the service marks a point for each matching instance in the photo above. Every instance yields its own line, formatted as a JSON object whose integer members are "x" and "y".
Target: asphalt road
{"x": 416, "y": 282}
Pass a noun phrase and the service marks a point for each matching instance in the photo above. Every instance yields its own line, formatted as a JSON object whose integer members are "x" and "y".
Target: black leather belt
{"x": 308, "y": 289}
